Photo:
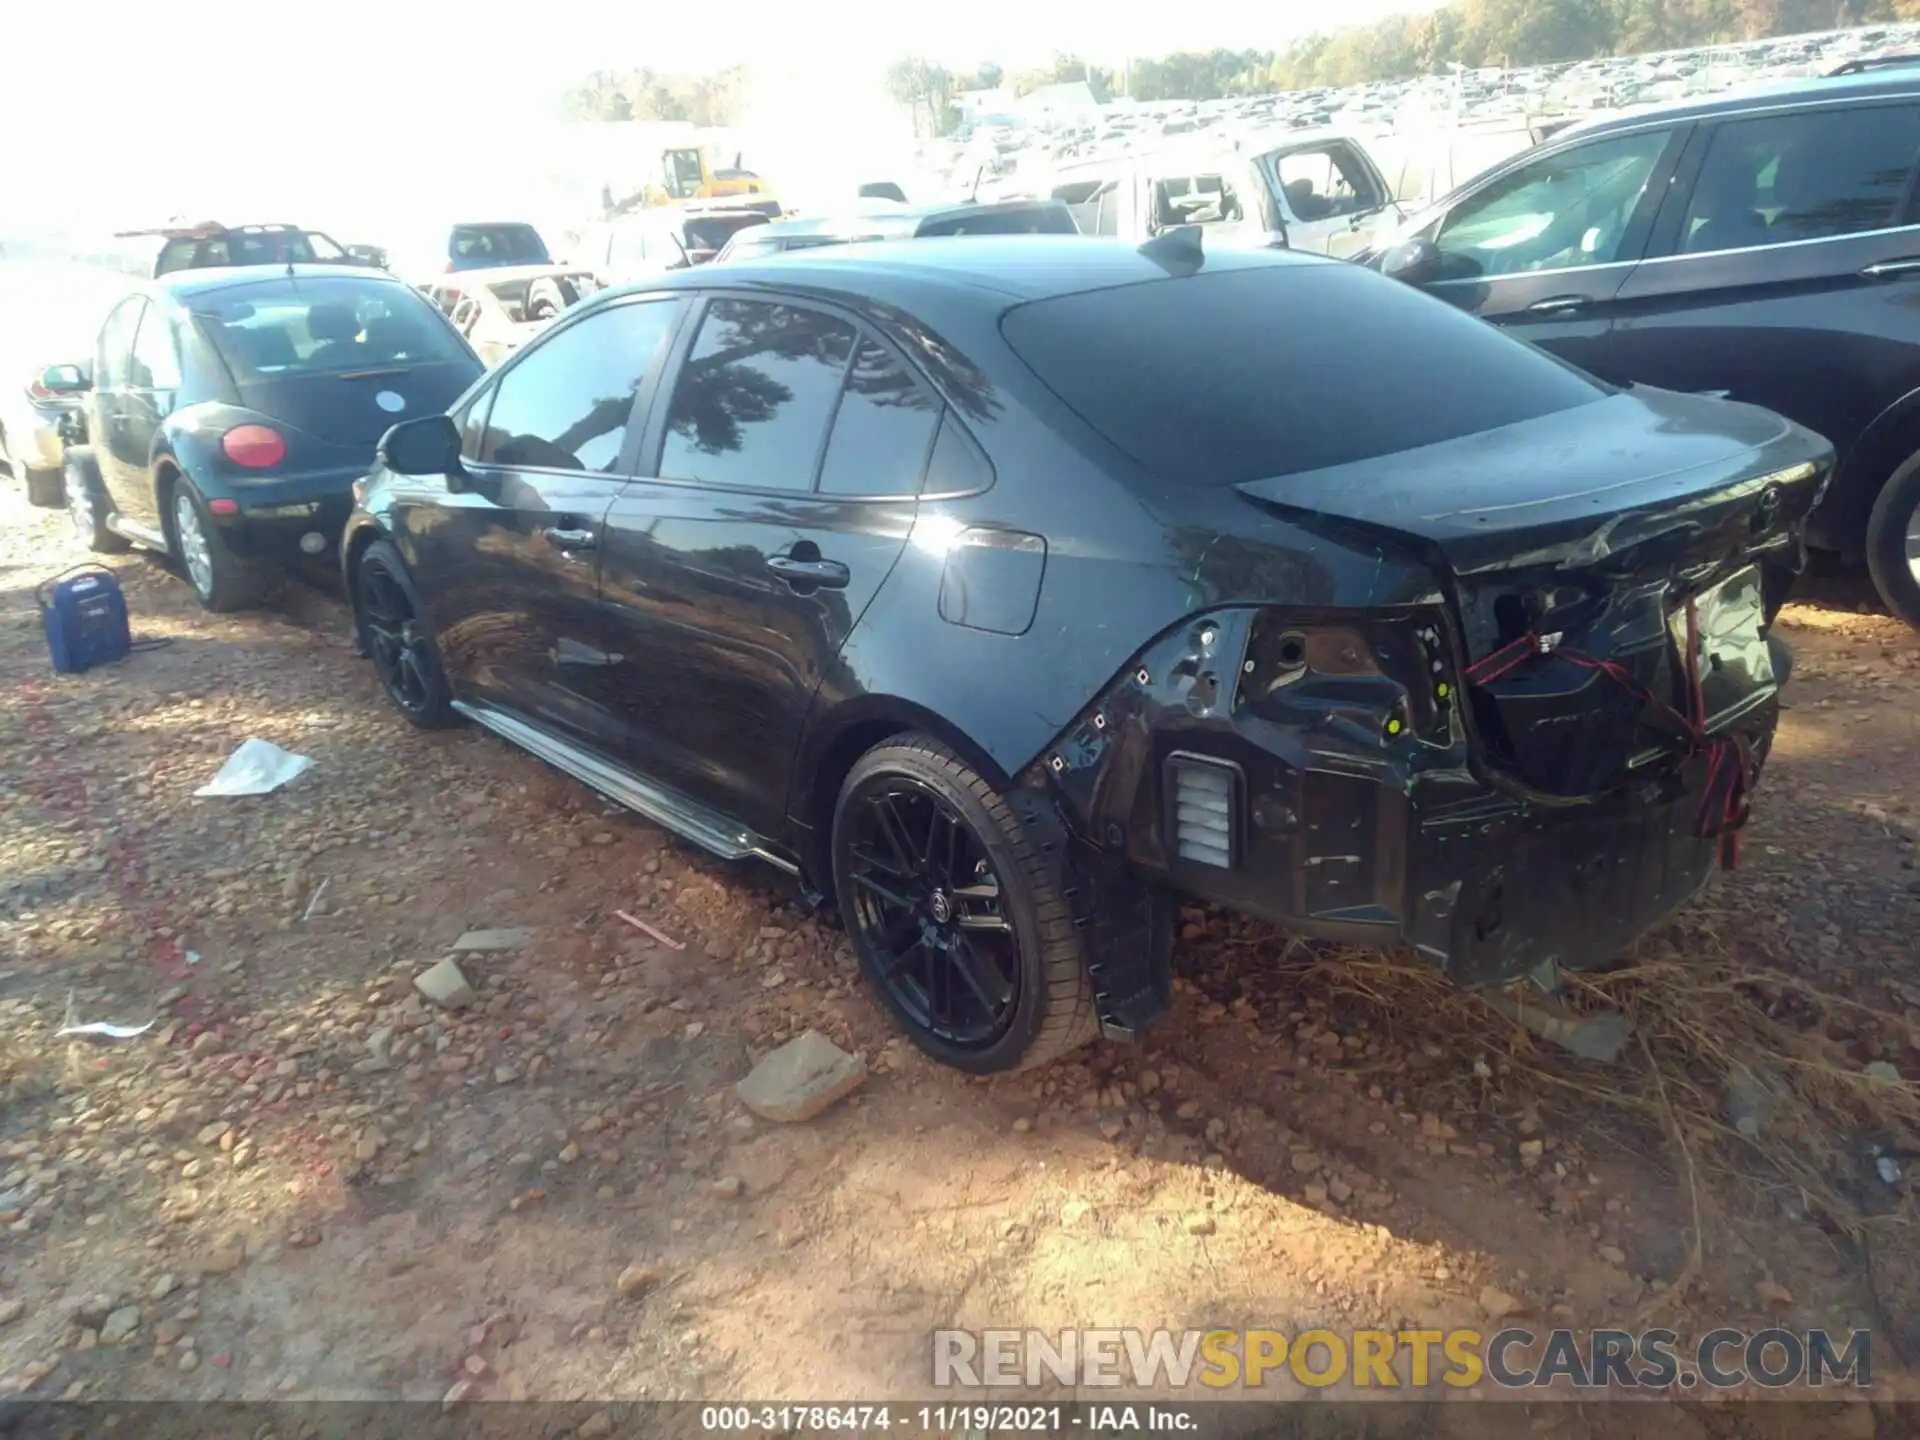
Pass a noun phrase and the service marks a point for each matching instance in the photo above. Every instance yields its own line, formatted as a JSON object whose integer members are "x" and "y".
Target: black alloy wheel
{"x": 399, "y": 642}
{"x": 927, "y": 905}
{"x": 955, "y": 915}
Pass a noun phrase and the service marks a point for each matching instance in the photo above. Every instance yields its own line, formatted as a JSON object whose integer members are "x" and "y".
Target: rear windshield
{"x": 711, "y": 232}
{"x": 1247, "y": 374}
{"x": 497, "y": 245}
{"x": 306, "y": 327}
{"x": 1039, "y": 220}
{"x": 269, "y": 247}
{"x": 750, "y": 248}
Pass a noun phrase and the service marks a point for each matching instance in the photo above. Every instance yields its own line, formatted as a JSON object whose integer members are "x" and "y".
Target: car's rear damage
{"x": 1519, "y": 773}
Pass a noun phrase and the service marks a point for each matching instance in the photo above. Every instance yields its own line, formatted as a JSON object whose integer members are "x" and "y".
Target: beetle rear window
{"x": 1253, "y": 373}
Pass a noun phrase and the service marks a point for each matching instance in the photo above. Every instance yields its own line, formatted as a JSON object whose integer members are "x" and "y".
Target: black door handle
{"x": 561, "y": 538}
{"x": 1559, "y": 305}
{"x": 823, "y": 574}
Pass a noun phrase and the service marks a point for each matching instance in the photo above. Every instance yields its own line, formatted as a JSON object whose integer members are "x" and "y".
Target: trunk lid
{"x": 1594, "y": 526}
{"x": 357, "y": 407}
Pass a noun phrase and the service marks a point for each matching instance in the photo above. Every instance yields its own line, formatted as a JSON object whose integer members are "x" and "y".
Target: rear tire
{"x": 87, "y": 504}
{"x": 1896, "y": 513}
{"x": 44, "y": 487}
{"x": 1007, "y": 907}
{"x": 222, "y": 581}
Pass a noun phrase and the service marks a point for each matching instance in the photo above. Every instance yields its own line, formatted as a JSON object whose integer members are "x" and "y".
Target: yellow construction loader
{"x": 687, "y": 173}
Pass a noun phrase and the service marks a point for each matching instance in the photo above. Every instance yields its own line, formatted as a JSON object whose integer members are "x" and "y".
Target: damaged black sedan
{"x": 1003, "y": 590}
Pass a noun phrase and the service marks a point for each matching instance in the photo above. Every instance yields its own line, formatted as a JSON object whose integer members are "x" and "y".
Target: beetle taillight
{"x": 257, "y": 447}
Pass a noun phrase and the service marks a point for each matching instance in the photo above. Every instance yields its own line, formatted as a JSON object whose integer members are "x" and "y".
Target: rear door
{"x": 509, "y": 563}
{"x": 784, "y": 469}
{"x": 1785, "y": 271}
{"x": 1544, "y": 246}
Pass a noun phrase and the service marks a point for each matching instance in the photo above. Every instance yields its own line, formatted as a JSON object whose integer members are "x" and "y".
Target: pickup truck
{"x": 1315, "y": 190}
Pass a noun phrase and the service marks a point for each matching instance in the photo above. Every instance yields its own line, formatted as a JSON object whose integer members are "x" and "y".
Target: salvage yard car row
{"x": 1001, "y": 587}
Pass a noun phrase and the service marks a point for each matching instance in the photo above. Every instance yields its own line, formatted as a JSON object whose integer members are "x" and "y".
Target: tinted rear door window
{"x": 883, "y": 430}
{"x": 751, "y": 407}
{"x": 1807, "y": 176}
{"x": 1247, "y": 374}
{"x": 567, "y": 404}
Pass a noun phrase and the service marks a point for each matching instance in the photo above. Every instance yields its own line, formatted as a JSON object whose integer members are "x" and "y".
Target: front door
{"x": 788, "y": 461}
{"x": 511, "y": 556}
{"x": 1330, "y": 195}
{"x": 153, "y": 385}
{"x": 1544, "y": 248}
{"x": 1785, "y": 272}
{"x": 113, "y": 444}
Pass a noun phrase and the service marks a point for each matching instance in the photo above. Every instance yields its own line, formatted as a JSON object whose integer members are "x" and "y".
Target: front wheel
{"x": 955, "y": 916}
{"x": 86, "y": 506}
{"x": 1893, "y": 542}
{"x": 387, "y": 610}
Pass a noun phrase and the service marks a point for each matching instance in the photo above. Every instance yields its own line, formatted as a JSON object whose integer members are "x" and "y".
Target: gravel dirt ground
{"x": 308, "y": 1181}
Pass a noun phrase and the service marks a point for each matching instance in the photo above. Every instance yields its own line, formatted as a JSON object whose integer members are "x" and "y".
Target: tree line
{"x": 1469, "y": 33}
{"x": 642, "y": 94}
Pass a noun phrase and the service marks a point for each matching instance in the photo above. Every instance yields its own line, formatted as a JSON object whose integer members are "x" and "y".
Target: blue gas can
{"x": 85, "y": 617}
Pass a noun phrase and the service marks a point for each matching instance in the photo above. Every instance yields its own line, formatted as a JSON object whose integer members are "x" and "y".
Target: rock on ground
{"x": 445, "y": 985}
{"x": 800, "y": 1079}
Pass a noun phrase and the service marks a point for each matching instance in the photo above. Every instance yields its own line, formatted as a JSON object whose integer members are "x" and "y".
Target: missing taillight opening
{"x": 257, "y": 447}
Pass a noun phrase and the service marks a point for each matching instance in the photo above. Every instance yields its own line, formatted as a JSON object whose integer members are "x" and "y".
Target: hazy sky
{"x": 308, "y": 113}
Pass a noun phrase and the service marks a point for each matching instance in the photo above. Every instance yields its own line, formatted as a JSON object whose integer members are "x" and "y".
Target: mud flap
{"x": 1125, "y": 923}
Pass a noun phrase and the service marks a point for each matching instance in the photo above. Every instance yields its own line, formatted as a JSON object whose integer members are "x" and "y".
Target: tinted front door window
{"x": 1331, "y": 181}
{"x": 1808, "y": 176}
{"x": 1564, "y": 211}
{"x": 753, "y": 402}
{"x": 566, "y": 406}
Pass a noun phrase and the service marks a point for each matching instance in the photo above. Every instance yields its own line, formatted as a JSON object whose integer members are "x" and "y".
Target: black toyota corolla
{"x": 1001, "y": 590}
{"x": 229, "y": 412}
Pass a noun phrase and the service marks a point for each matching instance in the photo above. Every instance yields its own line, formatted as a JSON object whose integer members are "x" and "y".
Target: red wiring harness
{"x": 1724, "y": 800}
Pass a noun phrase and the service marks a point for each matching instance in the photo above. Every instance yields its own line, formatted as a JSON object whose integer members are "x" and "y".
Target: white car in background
{"x": 498, "y": 310}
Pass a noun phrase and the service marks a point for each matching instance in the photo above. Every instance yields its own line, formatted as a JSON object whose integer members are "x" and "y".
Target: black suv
{"x": 201, "y": 247}
{"x": 1764, "y": 246}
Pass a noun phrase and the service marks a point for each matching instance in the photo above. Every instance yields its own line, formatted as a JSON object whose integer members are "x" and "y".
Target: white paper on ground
{"x": 105, "y": 1027}
{"x": 258, "y": 767}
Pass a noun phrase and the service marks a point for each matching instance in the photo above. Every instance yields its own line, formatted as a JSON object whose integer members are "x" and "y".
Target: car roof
{"x": 1019, "y": 268}
{"x": 1886, "y": 83}
{"x": 891, "y": 218}
{"x": 210, "y": 279}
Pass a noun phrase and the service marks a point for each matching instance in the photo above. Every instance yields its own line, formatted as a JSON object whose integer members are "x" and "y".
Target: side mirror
{"x": 65, "y": 380}
{"x": 427, "y": 445}
{"x": 1413, "y": 262}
